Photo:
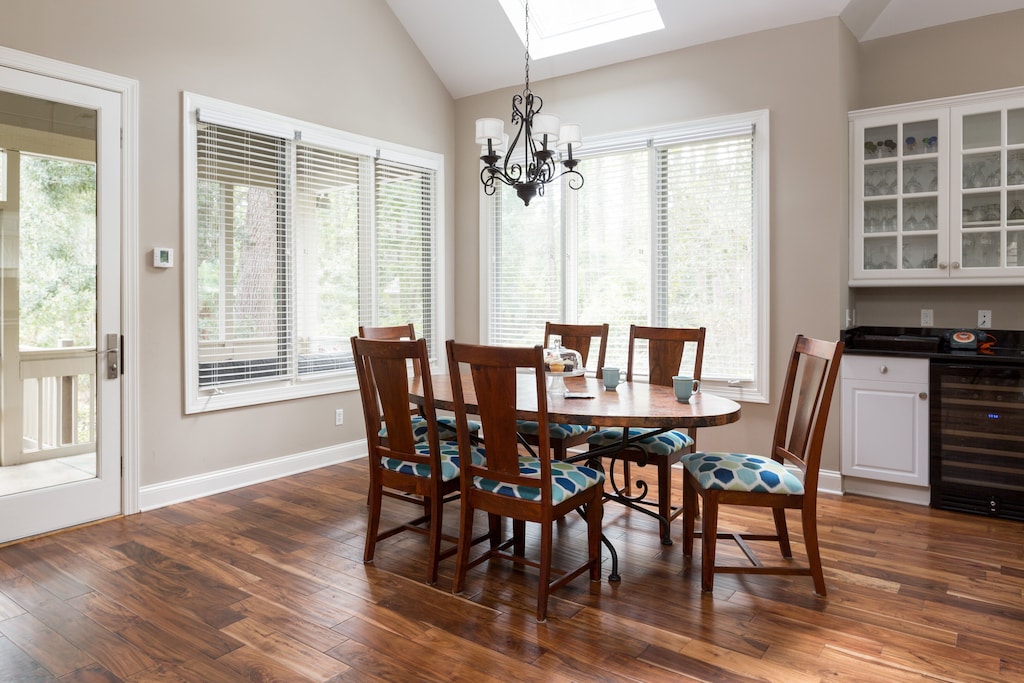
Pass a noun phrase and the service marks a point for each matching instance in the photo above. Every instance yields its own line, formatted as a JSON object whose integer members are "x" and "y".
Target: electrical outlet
{"x": 927, "y": 317}
{"x": 339, "y": 416}
{"x": 984, "y": 319}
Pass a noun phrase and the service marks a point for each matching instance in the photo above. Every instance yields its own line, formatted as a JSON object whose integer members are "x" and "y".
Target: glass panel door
{"x": 60, "y": 339}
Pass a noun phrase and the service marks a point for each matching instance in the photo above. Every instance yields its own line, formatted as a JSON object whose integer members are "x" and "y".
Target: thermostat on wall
{"x": 163, "y": 257}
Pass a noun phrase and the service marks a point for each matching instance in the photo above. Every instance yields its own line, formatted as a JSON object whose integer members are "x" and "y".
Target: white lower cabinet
{"x": 885, "y": 427}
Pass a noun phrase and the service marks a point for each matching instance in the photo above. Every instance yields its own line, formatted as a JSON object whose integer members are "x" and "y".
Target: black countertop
{"x": 933, "y": 343}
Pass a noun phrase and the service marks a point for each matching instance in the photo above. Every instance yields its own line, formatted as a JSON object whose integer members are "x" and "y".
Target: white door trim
{"x": 129, "y": 91}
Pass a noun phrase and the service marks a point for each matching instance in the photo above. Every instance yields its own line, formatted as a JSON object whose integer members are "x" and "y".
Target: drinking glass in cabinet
{"x": 880, "y": 216}
{"x": 920, "y": 176}
{"x": 1015, "y": 167}
{"x": 1016, "y": 213}
{"x": 1015, "y": 248}
{"x": 920, "y": 251}
{"x": 880, "y": 254}
{"x": 981, "y": 170}
{"x": 980, "y": 250}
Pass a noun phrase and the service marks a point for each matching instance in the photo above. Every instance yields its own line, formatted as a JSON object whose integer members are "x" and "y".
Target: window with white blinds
{"x": 295, "y": 236}
{"x": 670, "y": 229}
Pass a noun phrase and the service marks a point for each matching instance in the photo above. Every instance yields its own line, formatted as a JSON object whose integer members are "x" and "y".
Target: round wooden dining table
{"x": 588, "y": 402}
{"x": 631, "y": 404}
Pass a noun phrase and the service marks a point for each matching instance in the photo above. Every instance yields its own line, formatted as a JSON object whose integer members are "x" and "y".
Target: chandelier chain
{"x": 527, "y": 14}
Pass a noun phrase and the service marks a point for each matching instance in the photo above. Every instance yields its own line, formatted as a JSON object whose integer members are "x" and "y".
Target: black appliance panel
{"x": 977, "y": 438}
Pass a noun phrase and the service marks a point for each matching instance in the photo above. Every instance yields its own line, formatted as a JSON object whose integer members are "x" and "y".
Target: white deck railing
{"x": 59, "y": 402}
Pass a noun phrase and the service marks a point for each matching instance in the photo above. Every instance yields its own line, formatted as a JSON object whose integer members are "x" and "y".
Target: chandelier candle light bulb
{"x": 538, "y": 134}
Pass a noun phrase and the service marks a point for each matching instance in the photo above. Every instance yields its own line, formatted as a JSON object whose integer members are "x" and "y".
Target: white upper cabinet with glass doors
{"x": 900, "y": 219}
{"x": 938, "y": 192}
{"x": 988, "y": 202}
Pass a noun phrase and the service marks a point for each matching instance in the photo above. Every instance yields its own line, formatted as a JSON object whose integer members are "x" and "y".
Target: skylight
{"x": 559, "y": 26}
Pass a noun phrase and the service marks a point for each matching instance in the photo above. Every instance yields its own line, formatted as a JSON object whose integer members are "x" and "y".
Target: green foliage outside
{"x": 57, "y": 264}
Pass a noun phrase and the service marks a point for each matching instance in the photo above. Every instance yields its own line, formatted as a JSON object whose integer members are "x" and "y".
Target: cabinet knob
{"x": 943, "y": 265}
{"x": 956, "y": 265}
{"x": 883, "y": 369}
{"x": 923, "y": 396}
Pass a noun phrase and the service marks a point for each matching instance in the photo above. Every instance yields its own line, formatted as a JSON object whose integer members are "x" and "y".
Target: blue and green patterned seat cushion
{"x": 665, "y": 443}
{"x": 566, "y": 480}
{"x": 446, "y": 429}
{"x": 449, "y": 461}
{"x": 741, "y": 472}
{"x": 556, "y": 431}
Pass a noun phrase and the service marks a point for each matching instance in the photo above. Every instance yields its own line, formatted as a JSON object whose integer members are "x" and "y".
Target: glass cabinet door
{"x": 898, "y": 216}
{"x": 988, "y": 223}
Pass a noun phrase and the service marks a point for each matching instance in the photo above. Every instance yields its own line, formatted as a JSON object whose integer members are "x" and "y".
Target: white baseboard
{"x": 190, "y": 488}
{"x": 830, "y": 481}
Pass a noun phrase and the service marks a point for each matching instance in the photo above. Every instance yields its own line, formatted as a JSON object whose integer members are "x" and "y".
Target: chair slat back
{"x": 805, "y": 403}
{"x": 495, "y": 376}
{"x": 391, "y": 333}
{"x": 580, "y": 338}
{"x": 383, "y": 369}
{"x": 666, "y": 347}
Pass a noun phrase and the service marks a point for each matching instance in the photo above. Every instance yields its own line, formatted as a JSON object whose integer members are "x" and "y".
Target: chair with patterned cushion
{"x": 507, "y": 483}
{"x": 579, "y": 338}
{"x": 424, "y": 472}
{"x": 445, "y": 423}
{"x": 769, "y": 481}
{"x": 668, "y": 349}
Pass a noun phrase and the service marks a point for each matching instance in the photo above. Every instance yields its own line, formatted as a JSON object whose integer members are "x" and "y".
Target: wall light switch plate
{"x": 163, "y": 257}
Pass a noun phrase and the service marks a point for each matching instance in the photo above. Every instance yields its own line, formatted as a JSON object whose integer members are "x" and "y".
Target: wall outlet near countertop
{"x": 984, "y": 319}
{"x": 339, "y": 417}
{"x": 927, "y": 317}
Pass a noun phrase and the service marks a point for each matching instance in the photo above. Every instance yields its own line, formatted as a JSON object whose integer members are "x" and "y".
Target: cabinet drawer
{"x": 885, "y": 369}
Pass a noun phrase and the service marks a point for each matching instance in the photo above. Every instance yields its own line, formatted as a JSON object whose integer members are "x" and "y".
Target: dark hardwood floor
{"x": 267, "y": 583}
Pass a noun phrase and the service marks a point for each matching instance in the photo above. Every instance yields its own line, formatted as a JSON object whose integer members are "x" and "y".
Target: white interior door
{"x": 60, "y": 343}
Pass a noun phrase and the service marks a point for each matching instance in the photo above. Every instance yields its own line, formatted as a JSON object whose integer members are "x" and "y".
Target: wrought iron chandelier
{"x": 538, "y": 134}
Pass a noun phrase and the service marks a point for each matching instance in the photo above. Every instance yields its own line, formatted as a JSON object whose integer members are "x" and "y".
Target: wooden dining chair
{"x": 579, "y": 338}
{"x": 505, "y": 483}
{"x": 768, "y": 481}
{"x": 445, "y": 423}
{"x": 667, "y": 349}
{"x": 424, "y": 471}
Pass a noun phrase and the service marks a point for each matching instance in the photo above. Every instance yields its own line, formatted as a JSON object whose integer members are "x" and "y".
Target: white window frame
{"x": 755, "y": 390}
{"x": 204, "y": 399}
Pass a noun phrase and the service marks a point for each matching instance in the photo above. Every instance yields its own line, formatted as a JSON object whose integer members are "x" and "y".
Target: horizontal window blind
{"x": 526, "y": 267}
{"x": 243, "y": 289}
{"x": 295, "y": 235}
{"x": 403, "y": 248}
{"x": 705, "y": 248}
{"x": 328, "y": 213}
{"x": 669, "y": 230}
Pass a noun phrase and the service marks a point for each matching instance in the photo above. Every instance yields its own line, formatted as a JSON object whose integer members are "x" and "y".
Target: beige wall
{"x": 349, "y": 65}
{"x": 803, "y": 75}
{"x": 957, "y": 59}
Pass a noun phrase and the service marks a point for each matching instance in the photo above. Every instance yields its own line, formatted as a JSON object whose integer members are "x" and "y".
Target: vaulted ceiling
{"x": 473, "y": 48}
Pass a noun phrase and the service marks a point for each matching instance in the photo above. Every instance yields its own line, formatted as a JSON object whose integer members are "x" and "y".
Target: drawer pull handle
{"x": 883, "y": 369}
{"x": 923, "y": 396}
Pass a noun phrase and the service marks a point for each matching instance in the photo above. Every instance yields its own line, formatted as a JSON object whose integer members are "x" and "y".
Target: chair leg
{"x": 709, "y": 537}
{"x": 436, "y": 512}
{"x": 375, "y": 496}
{"x": 519, "y": 537}
{"x": 465, "y": 543}
{"x": 810, "y": 524}
{"x": 782, "y": 531}
{"x": 665, "y": 499}
{"x": 690, "y": 496}
{"x": 595, "y": 514}
{"x": 544, "y": 578}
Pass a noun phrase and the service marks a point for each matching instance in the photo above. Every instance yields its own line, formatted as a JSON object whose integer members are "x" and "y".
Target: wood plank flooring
{"x": 267, "y": 583}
